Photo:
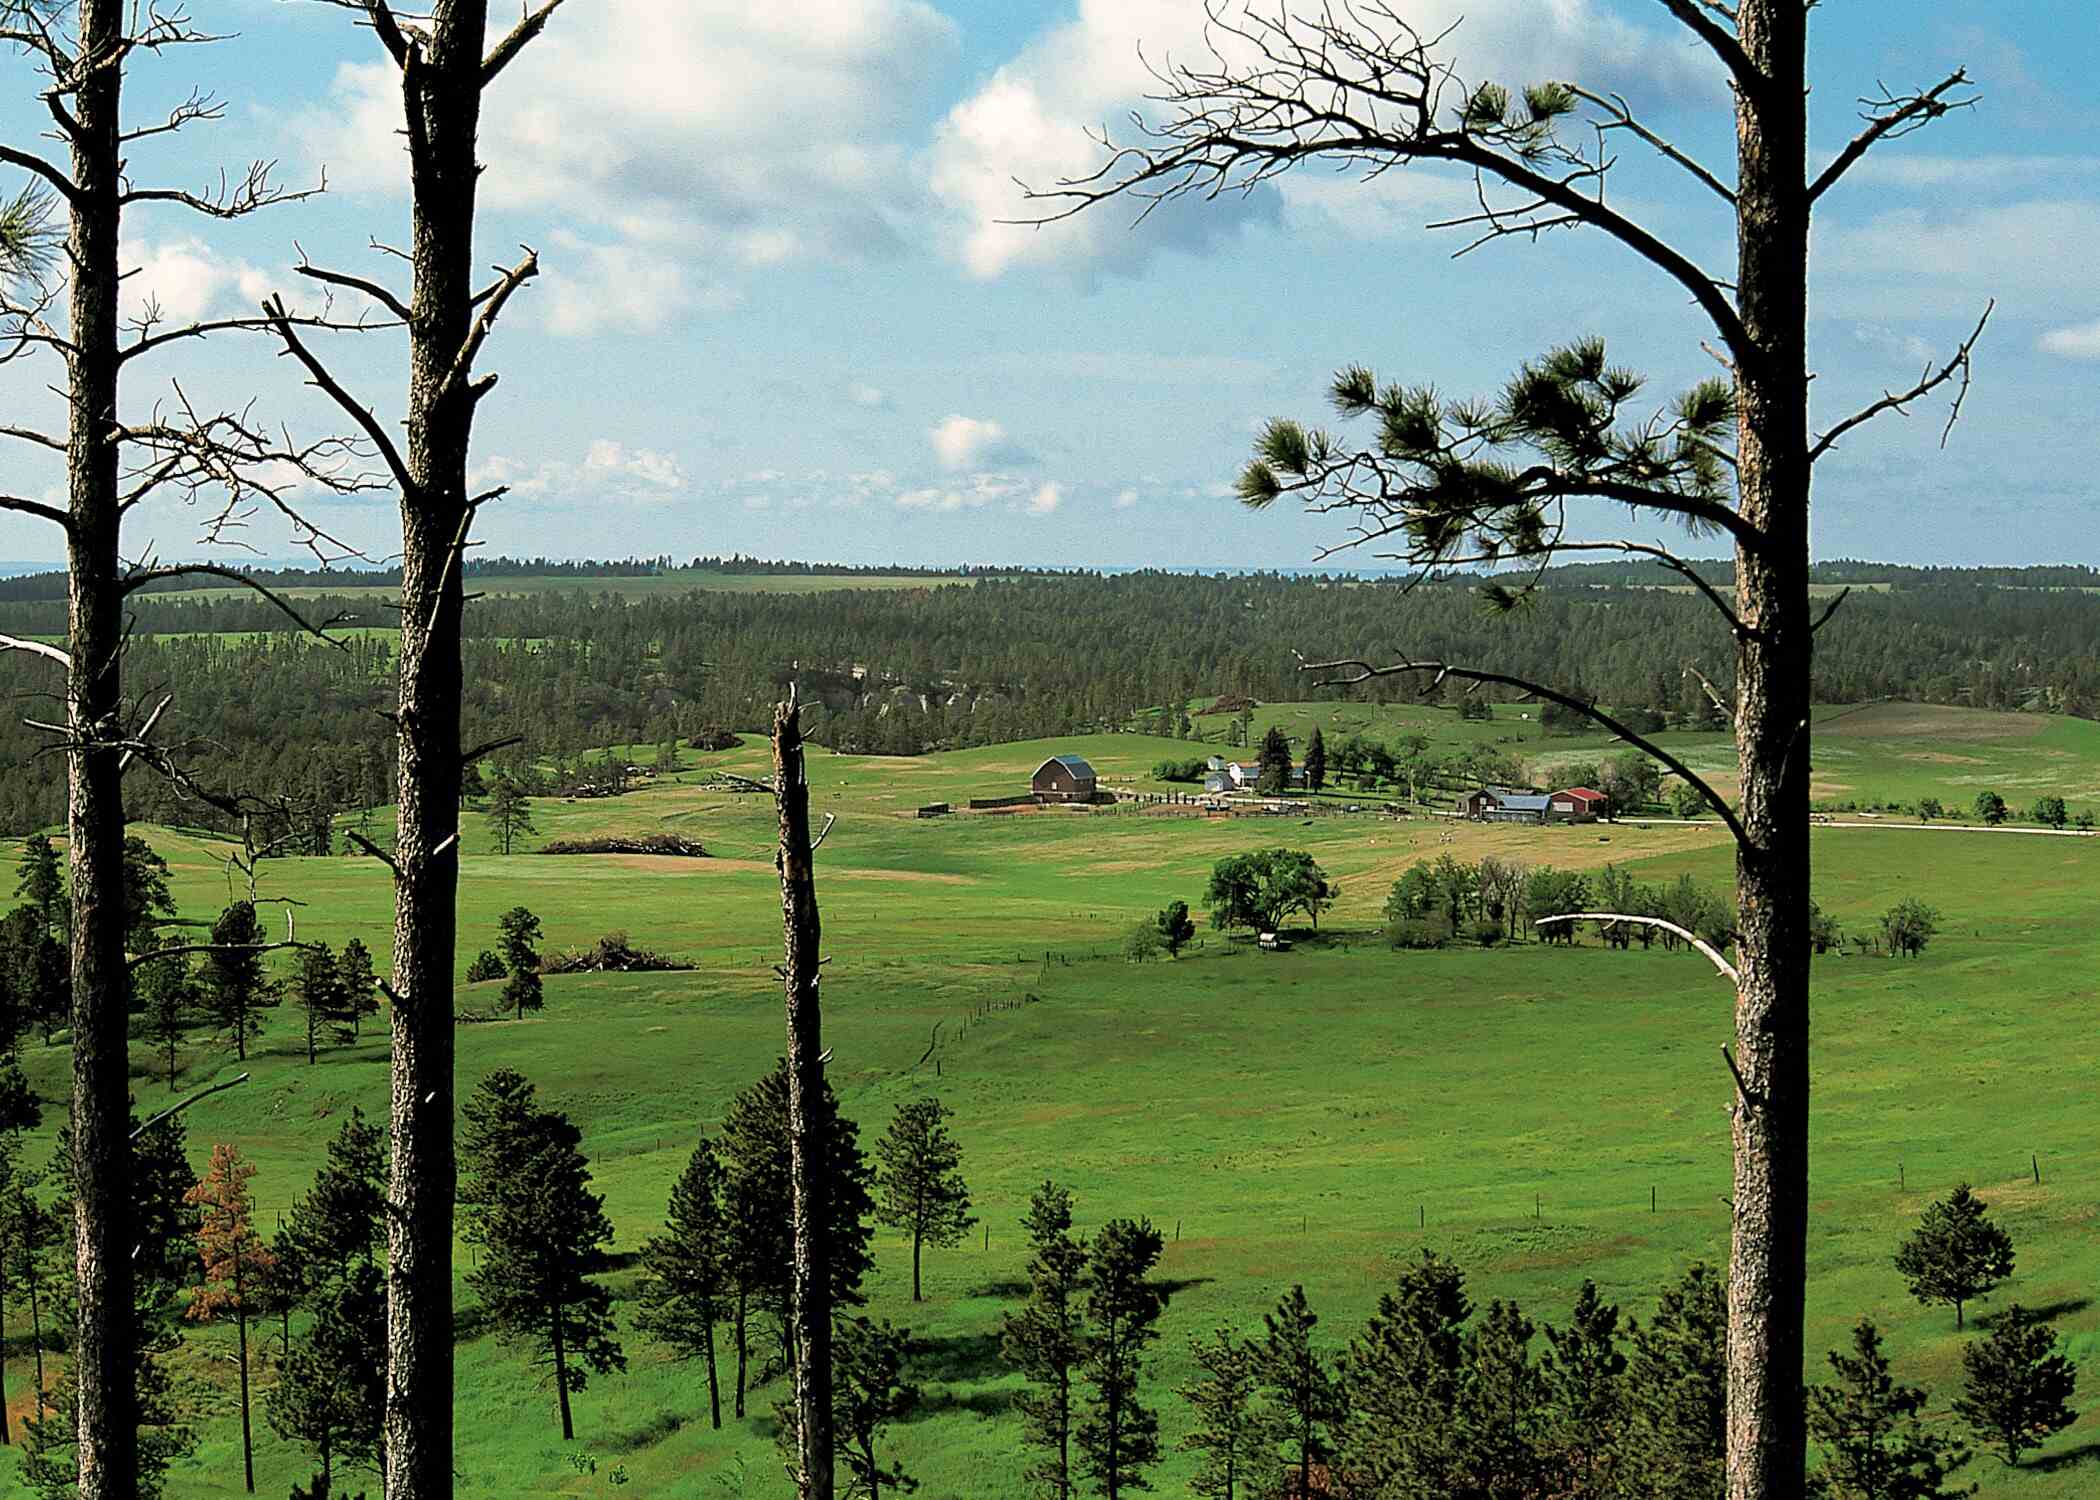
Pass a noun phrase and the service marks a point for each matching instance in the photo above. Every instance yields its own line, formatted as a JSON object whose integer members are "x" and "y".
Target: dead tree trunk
{"x": 810, "y": 1314}
{"x": 1767, "y": 1267}
{"x": 104, "y": 1351}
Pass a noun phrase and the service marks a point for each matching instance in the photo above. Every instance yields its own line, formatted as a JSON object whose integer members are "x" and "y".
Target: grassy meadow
{"x": 1314, "y": 1116}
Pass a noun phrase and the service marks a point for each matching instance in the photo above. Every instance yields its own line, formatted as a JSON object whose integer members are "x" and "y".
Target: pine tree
{"x": 1305, "y": 1402}
{"x": 341, "y": 1221}
{"x": 1502, "y": 1427}
{"x": 869, "y": 1392}
{"x": 1315, "y": 761}
{"x": 318, "y": 989}
{"x": 1584, "y": 1373}
{"x": 1231, "y": 1433}
{"x": 1955, "y": 1255}
{"x": 2017, "y": 1385}
{"x": 686, "y": 1271}
{"x": 1175, "y": 927}
{"x": 42, "y": 883}
{"x": 1677, "y": 1390}
{"x": 542, "y": 1233}
{"x": 236, "y": 987}
{"x": 754, "y": 1150}
{"x": 521, "y": 929}
{"x": 1119, "y": 1435}
{"x": 1402, "y": 1377}
{"x": 1275, "y": 762}
{"x": 918, "y": 1180}
{"x": 1875, "y": 1445}
{"x": 330, "y": 1394}
{"x": 509, "y": 811}
{"x": 168, "y": 991}
{"x": 1047, "y": 1338}
{"x": 236, "y": 1261}
{"x": 360, "y": 990}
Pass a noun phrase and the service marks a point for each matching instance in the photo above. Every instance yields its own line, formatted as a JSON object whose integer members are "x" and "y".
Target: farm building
{"x": 1063, "y": 778}
{"x": 1579, "y": 802}
{"x": 1500, "y": 805}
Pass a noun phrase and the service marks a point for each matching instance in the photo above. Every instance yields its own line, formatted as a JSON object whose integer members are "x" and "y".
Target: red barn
{"x": 1580, "y": 802}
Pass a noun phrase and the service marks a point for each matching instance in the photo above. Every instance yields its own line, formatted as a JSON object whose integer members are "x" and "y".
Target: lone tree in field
{"x": 1175, "y": 927}
{"x": 237, "y": 988}
{"x": 1232, "y": 1433}
{"x": 1047, "y": 1339}
{"x": 1118, "y": 1436}
{"x": 1262, "y": 887}
{"x": 237, "y": 1264}
{"x": 918, "y": 1180}
{"x": 360, "y": 991}
{"x": 1355, "y": 87}
{"x": 2018, "y": 1385}
{"x": 1955, "y": 1255}
{"x": 521, "y": 930}
{"x": 509, "y": 811}
{"x": 1315, "y": 761}
{"x": 688, "y": 1271}
{"x": 1304, "y": 1400}
{"x": 1870, "y": 1427}
{"x": 542, "y": 1234}
{"x": 170, "y": 997}
{"x": 1908, "y": 926}
{"x": 1991, "y": 808}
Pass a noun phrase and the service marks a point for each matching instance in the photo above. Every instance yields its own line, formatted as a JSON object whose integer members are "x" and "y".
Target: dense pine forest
{"x": 269, "y": 710}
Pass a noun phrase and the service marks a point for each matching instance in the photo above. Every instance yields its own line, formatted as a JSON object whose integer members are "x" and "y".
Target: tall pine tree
{"x": 687, "y": 1272}
{"x": 918, "y": 1179}
{"x": 1119, "y": 1435}
{"x": 1046, "y": 1340}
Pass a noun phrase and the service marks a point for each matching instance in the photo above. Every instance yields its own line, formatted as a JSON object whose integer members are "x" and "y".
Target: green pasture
{"x": 1311, "y": 1116}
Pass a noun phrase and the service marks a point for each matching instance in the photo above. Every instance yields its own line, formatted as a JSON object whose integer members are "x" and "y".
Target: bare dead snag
{"x": 800, "y": 975}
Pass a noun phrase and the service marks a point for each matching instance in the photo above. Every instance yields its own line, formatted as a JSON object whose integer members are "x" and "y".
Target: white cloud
{"x": 1126, "y": 500}
{"x": 1030, "y": 119}
{"x": 185, "y": 280}
{"x": 595, "y": 288}
{"x": 608, "y": 458}
{"x": 860, "y": 393}
{"x": 2017, "y": 251}
{"x": 1046, "y": 499}
{"x": 978, "y": 491}
{"x": 712, "y": 132}
{"x": 961, "y": 442}
{"x": 2079, "y": 341}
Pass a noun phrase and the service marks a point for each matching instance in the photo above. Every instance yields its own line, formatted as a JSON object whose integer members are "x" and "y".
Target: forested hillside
{"x": 899, "y": 670}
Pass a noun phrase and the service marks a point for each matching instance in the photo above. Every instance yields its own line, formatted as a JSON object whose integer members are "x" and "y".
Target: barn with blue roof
{"x": 1064, "y": 778}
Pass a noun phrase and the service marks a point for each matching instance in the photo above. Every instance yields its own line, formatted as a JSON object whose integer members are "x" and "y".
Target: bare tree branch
{"x": 1957, "y": 365}
{"x": 35, "y": 648}
{"x": 371, "y": 289}
{"x": 1727, "y": 969}
{"x": 1699, "y": 17}
{"x": 463, "y": 362}
{"x": 1623, "y": 119}
{"x": 279, "y": 319}
{"x": 133, "y": 582}
{"x": 1891, "y": 117}
{"x": 530, "y": 25}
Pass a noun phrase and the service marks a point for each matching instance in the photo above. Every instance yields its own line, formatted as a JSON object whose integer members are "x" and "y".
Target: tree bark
{"x": 240, "y": 1322}
{"x": 1768, "y": 1256}
{"x": 441, "y": 87}
{"x": 714, "y": 1384}
{"x": 104, "y": 1341}
{"x": 561, "y": 1382}
{"x": 743, "y": 1349}
{"x": 810, "y": 1316}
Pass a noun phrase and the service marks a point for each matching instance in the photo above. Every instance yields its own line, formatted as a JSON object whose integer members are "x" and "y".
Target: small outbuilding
{"x": 1064, "y": 778}
{"x": 1580, "y": 802}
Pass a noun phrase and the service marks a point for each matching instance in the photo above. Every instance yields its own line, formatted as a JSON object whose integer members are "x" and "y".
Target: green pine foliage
{"x": 1046, "y": 1340}
{"x": 1676, "y": 1386}
{"x": 1118, "y": 1434}
{"x": 688, "y": 1271}
{"x": 1870, "y": 1429}
{"x": 237, "y": 985}
{"x": 542, "y": 1235}
{"x": 1956, "y": 1254}
{"x": 318, "y": 988}
{"x": 1303, "y": 1402}
{"x": 1402, "y": 1375}
{"x": 521, "y": 931}
{"x": 1232, "y": 1432}
{"x": 1584, "y": 1372}
{"x": 918, "y": 1180}
{"x": 2017, "y": 1386}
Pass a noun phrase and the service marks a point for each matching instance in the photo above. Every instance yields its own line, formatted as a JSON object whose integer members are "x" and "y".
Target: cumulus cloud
{"x": 1125, "y": 500}
{"x": 961, "y": 442}
{"x": 1029, "y": 120}
{"x": 860, "y": 393}
{"x": 978, "y": 491}
{"x": 2018, "y": 250}
{"x": 185, "y": 280}
{"x": 713, "y": 131}
{"x": 596, "y": 288}
{"x": 1046, "y": 499}
{"x": 609, "y": 469}
{"x": 2079, "y": 341}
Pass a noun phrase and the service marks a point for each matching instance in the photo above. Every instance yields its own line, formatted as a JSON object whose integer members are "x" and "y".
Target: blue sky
{"x": 780, "y": 315}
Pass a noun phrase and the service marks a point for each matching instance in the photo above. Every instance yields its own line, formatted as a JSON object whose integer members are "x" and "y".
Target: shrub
{"x": 1144, "y": 942}
{"x": 486, "y": 965}
{"x": 1486, "y": 931}
{"x": 715, "y": 737}
{"x": 1418, "y": 932}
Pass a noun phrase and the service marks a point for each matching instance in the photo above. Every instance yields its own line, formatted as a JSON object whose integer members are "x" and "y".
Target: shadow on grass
{"x": 1012, "y": 1288}
{"x": 2067, "y": 1459}
{"x": 2046, "y": 1312}
{"x": 1171, "y": 1288}
{"x": 977, "y": 1403}
{"x": 958, "y": 1359}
